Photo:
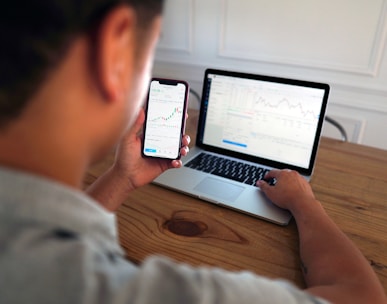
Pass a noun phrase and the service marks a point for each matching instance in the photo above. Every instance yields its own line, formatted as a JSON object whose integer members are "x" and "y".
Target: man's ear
{"x": 115, "y": 51}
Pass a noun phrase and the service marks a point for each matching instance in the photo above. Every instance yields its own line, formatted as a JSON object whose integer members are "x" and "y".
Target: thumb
{"x": 264, "y": 186}
{"x": 136, "y": 128}
{"x": 140, "y": 120}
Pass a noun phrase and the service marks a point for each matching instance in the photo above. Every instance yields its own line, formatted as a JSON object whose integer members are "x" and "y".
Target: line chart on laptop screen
{"x": 265, "y": 119}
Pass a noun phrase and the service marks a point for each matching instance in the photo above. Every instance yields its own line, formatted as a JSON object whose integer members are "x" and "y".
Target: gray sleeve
{"x": 162, "y": 281}
{"x": 74, "y": 270}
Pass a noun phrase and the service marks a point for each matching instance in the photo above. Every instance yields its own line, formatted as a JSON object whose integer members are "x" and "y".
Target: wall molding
{"x": 187, "y": 35}
{"x": 370, "y": 70}
{"x": 380, "y": 42}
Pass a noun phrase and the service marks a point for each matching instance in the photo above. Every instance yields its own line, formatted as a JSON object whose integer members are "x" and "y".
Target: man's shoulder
{"x": 54, "y": 265}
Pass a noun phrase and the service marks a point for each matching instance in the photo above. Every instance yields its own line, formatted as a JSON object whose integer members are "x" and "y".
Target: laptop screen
{"x": 274, "y": 119}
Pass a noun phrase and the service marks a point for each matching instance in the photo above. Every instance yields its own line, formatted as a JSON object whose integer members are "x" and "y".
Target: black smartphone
{"x": 165, "y": 117}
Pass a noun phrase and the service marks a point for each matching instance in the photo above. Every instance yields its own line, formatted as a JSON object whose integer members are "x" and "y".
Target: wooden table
{"x": 350, "y": 180}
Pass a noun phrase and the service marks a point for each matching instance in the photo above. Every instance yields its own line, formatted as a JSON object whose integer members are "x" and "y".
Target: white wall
{"x": 338, "y": 42}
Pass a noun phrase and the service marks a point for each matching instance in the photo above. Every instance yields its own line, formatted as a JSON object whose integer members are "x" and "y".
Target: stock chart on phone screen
{"x": 164, "y": 120}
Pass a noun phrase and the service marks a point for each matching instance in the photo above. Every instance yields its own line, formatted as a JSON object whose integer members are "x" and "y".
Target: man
{"x": 73, "y": 77}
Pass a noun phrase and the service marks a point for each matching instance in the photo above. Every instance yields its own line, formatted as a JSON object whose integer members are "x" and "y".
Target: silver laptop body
{"x": 258, "y": 120}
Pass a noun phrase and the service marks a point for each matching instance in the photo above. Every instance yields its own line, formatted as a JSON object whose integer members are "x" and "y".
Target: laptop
{"x": 248, "y": 125}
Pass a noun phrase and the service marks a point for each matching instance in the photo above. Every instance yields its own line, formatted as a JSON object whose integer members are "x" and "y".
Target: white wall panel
{"x": 342, "y": 43}
{"x": 343, "y": 35}
{"x": 176, "y": 35}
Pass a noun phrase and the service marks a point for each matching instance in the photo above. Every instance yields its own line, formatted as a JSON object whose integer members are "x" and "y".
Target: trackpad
{"x": 221, "y": 189}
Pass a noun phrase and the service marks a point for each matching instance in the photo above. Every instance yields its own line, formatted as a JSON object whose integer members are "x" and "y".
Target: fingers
{"x": 264, "y": 186}
{"x": 176, "y": 163}
{"x": 276, "y": 173}
{"x": 186, "y": 140}
{"x": 278, "y": 192}
{"x": 273, "y": 174}
{"x": 184, "y": 150}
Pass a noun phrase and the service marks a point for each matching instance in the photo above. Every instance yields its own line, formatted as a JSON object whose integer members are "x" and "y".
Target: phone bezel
{"x": 166, "y": 81}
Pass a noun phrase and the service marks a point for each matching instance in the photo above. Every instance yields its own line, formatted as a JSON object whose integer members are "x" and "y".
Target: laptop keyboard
{"x": 231, "y": 169}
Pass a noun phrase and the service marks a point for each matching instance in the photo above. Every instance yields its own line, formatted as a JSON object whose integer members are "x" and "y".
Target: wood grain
{"x": 350, "y": 180}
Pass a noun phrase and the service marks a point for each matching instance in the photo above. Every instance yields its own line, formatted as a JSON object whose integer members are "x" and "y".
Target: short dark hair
{"x": 35, "y": 35}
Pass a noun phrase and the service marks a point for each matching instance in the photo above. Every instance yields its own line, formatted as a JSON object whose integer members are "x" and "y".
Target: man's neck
{"x": 43, "y": 151}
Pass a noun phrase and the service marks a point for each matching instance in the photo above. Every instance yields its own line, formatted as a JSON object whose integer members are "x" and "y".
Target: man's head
{"x": 73, "y": 76}
{"x": 35, "y": 37}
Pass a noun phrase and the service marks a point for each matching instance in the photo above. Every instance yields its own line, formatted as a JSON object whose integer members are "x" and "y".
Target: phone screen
{"x": 165, "y": 118}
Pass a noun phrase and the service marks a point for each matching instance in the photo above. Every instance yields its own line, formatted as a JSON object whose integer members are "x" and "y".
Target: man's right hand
{"x": 289, "y": 191}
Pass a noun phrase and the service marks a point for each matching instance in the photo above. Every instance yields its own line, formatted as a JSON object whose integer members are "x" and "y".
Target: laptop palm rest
{"x": 221, "y": 189}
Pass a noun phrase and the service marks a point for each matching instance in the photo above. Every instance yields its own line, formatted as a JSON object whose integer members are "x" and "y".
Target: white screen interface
{"x": 164, "y": 120}
{"x": 263, "y": 119}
